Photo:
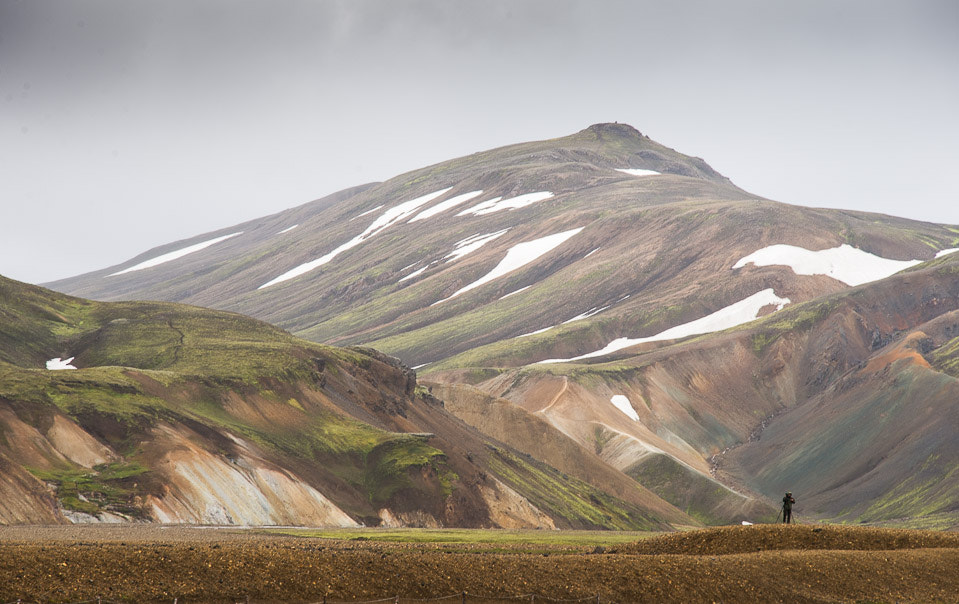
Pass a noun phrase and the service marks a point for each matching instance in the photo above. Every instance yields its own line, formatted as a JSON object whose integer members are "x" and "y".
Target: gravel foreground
{"x": 770, "y": 563}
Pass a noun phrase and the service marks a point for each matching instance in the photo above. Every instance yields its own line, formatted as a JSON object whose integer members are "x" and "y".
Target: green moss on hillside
{"x": 576, "y": 502}
{"x": 106, "y": 488}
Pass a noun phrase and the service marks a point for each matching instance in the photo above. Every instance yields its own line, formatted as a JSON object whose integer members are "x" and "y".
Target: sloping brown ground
{"x": 69, "y": 564}
{"x": 778, "y": 537}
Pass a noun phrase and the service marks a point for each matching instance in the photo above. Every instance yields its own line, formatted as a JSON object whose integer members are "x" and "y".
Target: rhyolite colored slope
{"x": 187, "y": 415}
{"x": 480, "y": 267}
{"x": 850, "y": 401}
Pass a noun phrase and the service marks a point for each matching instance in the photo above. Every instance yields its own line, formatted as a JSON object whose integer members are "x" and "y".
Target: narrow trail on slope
{"x": 559, "y": 394}
{"x": 182, "y": 337}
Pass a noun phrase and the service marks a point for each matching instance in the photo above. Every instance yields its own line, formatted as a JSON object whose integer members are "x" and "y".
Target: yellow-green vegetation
{"x": 946, "y": 357}
{"x": 107, "y": 487}
{"x": 143, "y": 363}
{"x": 571, "y": 499}
{"x": 491, "y": 537}
{"x": 930, "y": 490}
{"x": 792, "y": 318}
{"x": 695, "y": 494}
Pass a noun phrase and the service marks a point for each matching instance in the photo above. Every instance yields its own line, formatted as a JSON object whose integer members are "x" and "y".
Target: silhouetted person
{"x": 788, "y": 502}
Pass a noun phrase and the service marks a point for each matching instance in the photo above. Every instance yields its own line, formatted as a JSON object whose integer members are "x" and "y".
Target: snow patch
{"x": 517, "y": 257}
{"x": 590, "y": 254}
{"x": 747, "y": 523}
{"x": 638, "y": 172}
{"x": 533, "y": 333}
{"x": 471, "y": 244}
{"x": 414, "y": 274}
{"x": 622, "y": 403}
{"x": 845, "y": 263}
{"x": 442, "y": 206}
{"x": 385, "y": 220}
{"x": 735, "y": 314}
{"x": 288, "y": 229}
{"x": 498, "y": 204}
{"x": 196, "y": 247}
{"x": 513, "y": 293}
{"x": 56, "y": 364}
{"x": 941, "y": 253}
{"x": 366, "y": 213}
{"x": 589, "y": 313}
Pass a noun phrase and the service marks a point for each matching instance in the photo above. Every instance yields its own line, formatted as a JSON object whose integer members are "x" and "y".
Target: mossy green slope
{"x": 349, "y": 422}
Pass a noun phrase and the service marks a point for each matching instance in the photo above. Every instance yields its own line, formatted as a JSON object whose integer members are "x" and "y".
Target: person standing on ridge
{"x": 788, "y": 502}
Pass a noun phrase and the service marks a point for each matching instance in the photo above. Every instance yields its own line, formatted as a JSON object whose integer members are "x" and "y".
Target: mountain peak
{"x": 614, "y": 129}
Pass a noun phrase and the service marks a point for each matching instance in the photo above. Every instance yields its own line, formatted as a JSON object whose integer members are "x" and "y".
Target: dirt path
{"x": 556, "y": 398}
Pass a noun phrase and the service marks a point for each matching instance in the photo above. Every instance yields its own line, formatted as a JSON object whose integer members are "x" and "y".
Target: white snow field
{"x": 385, "y": 220}
{"x": 845, "y": 263}
{"x": 498, "y": 204}
{"x": 735, "y": 314}
{"x": 942, "y": 253}
{"x": 517, "y": 257}
{"x": 622, "y": 403}
{"x": 196, "y": 247}
{"x": 57, "y": 363}
{"x": 442, "y": 206}
{"x": 288, "y": 229}
{"x": 471, "y": 244}
{"x": 638, "y": 172}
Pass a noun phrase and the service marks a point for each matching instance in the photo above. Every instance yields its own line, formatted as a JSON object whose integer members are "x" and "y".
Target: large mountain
{"x": 541, "y": 283}
{"x": 171, "y": 413}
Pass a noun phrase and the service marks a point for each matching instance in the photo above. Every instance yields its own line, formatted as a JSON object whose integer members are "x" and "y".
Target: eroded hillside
{"x": 185, "y": 415}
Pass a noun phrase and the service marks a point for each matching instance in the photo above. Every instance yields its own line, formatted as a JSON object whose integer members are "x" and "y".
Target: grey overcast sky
{"x": 128, "y": 124}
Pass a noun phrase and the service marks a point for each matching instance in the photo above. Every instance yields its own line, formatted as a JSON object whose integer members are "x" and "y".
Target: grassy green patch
{"x": 946, "y": 357}
{"x": 106, "y": 488}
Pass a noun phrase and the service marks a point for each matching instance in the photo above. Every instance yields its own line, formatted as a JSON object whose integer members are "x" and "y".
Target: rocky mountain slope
{"x": 170, "y": 413}
{"x": 547, "y": 275}
{"x": 850, "y": 400}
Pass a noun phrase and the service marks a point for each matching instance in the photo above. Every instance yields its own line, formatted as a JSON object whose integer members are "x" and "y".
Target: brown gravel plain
{"x": 728, "y": 564}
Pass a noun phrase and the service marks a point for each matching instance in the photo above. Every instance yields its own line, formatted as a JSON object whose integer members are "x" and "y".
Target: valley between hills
{"x": 589, "y": 332}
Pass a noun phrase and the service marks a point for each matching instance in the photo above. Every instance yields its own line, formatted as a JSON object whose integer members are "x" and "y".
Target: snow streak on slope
{"x": 941, "y": 253}
{"x": 370, "y": 211}
{"x": 589, "y": 313}
{"x": 196, "y": 247}
{"x": 442, "y": 206}
{"x": 622, "y": 403}
{"x": 414, "y": 274}
{"x": 513, "y": 293}
{"x": 638, "y": 172}
{"x": 288, "y": 229}
{"x": 471, "y": 244}
{"x": 511, "y": 203}
{"x": 741, "y": 312}
{"x": 57, "y": 363}
{"x": 845, "y": 263}
{"x": 386, "y": 219}
{"x": 519, "y": 256}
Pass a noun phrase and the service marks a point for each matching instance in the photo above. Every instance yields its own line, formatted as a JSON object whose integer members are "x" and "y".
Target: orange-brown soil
{"x": 729, "y": 564}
